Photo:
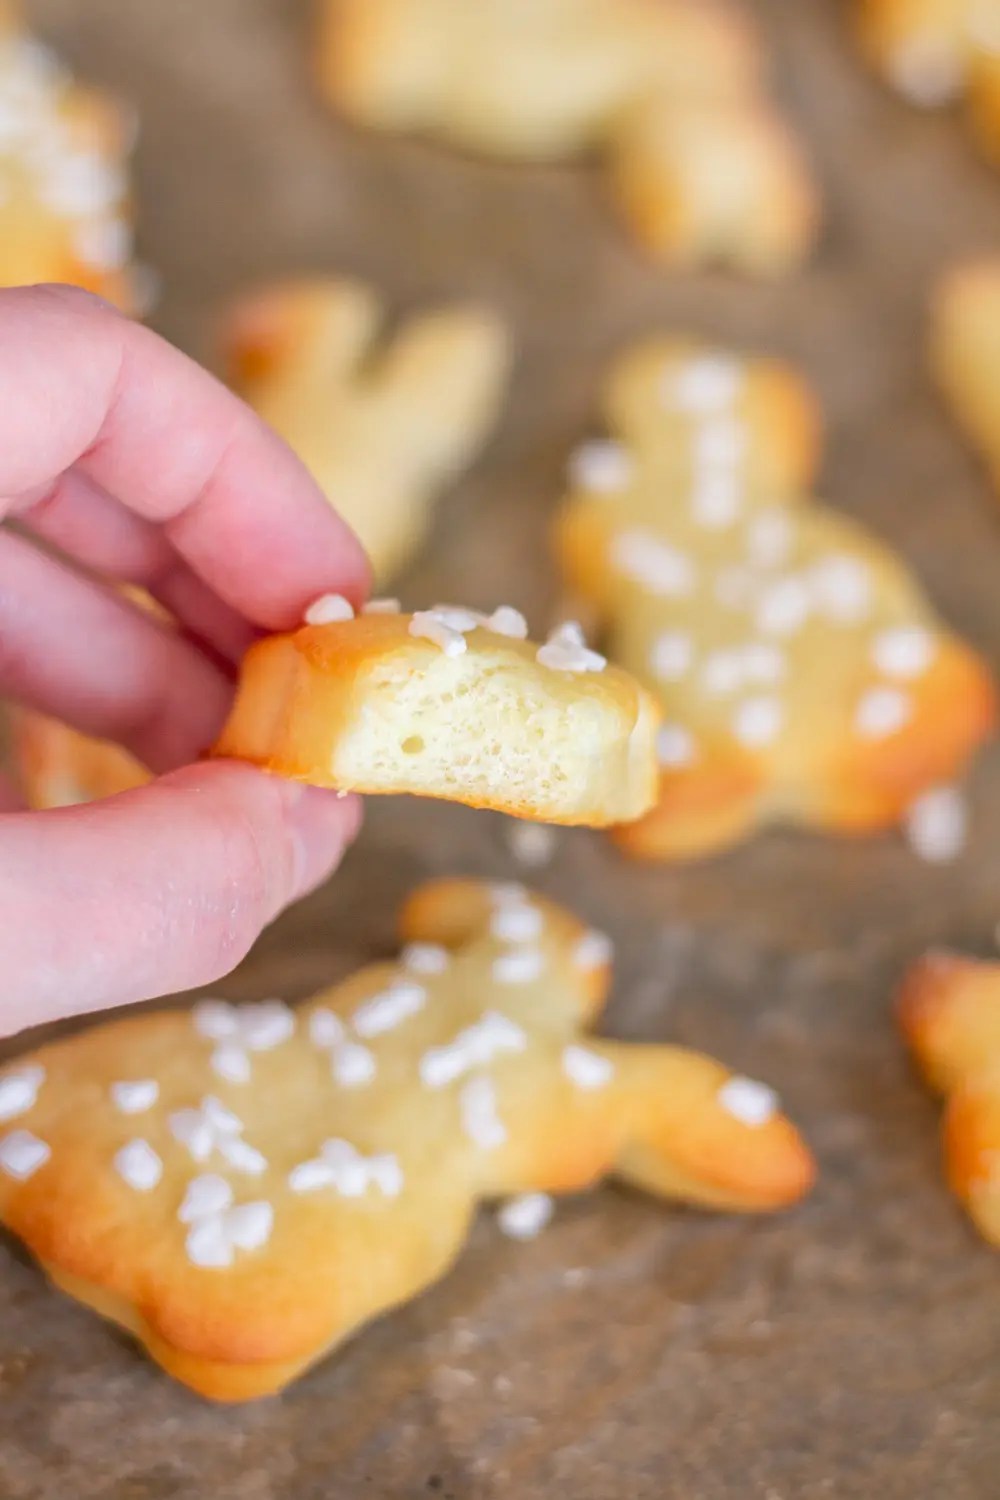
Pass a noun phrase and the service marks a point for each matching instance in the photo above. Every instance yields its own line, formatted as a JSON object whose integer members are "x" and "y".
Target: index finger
{"x": 83, "y": 387}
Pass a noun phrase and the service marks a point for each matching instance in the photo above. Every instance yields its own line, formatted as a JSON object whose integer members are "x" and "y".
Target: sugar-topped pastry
{"x": 801, "y": 673}
{"x": 965, "y": 352}
{"x": 65, "y": 212}
{"x": 383, "y": 429}
{"x": 672, "y": 91}
{"x": 934, "y": 52}
{"x": 949, "y": 1011}
{"x": 244, "y": 1187}
{"x": 448, "y": 702}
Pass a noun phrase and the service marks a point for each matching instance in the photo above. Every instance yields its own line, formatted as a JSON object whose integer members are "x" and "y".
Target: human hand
{"x": 139, "y": 467}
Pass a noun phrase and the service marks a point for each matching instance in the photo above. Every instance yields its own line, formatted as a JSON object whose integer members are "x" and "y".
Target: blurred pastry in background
{"x": 244, "y": 1187}
{"x": 65, "y": 213}
{"x": 965, "y": 352}
{"x": 448, "y": 703}
{"x": 802, "y": 675}
{"x": 701, "y": 165}
{"x": 949, "y": 1011}
{"x": 56, "y": 766}
{"x": 935, "y": 52}
{"x": 384, "y": 424}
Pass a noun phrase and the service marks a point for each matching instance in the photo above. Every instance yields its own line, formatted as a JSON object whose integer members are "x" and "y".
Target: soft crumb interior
{"x": 475, "y": 728}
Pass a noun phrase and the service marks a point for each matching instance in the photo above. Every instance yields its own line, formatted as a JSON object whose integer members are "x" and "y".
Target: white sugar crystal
{"x": 353, "y": 1065}
{"x": 769, "y": 538}
{"x": 927, "y": 72}
{"x": 428, "y": 625}
{"x": 784, "y": 607}
{"x": 230, "y": 1062}
{"x": 751, "y": 1103}
{"x": 21, "y": 1154}
{"x": 311, "y": 1176}
{"x": 242, "y": 1156}
{"x": 215, "y": 1019}
{"x": 603, "y": 468}
{"x": 221, "y": 1119}
{"x": 717, "y": 498}
{"x": 138, "y": 1165}
{"x": 325, "y": 1028}
{"x": 480, "y": 1117}
{"x": 105, "y": 244}
{"x": 524, "y": 1217}
{"x": 329, "y": 609}
{"x": 937, "y": 824}
{"x": 386, "y": 1173}
{"x": 904, "y": 651}
{"x": 880, "y": 712}
{"x": 763, "y": 662}
{"x": 135, "y": 1096}
{"x": 675, "y": 746}
{"x": 532, "y": 844}
{"x": 720, "y": 442}
{"x": 19, "y": 1091}
{"x": 425, "y": 958}
{"x": 588, "y": 1070}
{"x": 509, "y": 622}
{"x": 208, "y": 1245}
{"x": 384, "y": 1012}
{"x": 457, "y": 617}
{"x": 509, "y": 893}
{"x": 706, "y": 384}
{"x": 671, "y": 655}
{"x": 266, "y": 1024}
{"x": 841, "y": 588}
{"x": 249, "y": 1225}
{"x": 487, "y": 1038}
{"x": 758, "y": 722}
{"x": 190, "y": 1128}
{"x": 594, "y": 950}
{"x": 654, "y": 564}
{"x": 205, "y": 1195}
{"x": 565, "y": 651}
{"x": 381, "y": 607}
{"x": 520, "y": 967}
{"x": 517, "y": 924}
{"x": 722, "y": 672}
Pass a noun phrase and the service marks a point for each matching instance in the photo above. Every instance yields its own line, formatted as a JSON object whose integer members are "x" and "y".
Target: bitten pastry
{"x": 65, "y": 213}
{"x": 965, "y": 353}
{"x": 448, "y": 703}
{"x": 949, "y": 1010}
{"x": 244, "y": 1187}
{"x": 936, "y": 51}
{"x": 672, "y": 90}
{"x": 381, "y": 431}
{"x": 802, "y": 675}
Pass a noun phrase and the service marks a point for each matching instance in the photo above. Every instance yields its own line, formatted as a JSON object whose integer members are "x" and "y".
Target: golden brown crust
{"x": 374, "y": 705}
{"x": 965, "y": 352}
{"x": 479, "y": 1085}
{"x": 949, "y": 1012}
{"x": 801, "y": 674}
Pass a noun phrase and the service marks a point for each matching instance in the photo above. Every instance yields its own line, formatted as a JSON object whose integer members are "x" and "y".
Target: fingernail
{"x": 322, "y": 824}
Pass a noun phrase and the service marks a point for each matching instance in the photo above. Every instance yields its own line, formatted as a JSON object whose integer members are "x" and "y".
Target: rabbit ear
{"x": 698, "y": 1133}
{"x": 458, "y": 913}
{"x": 949, "y": 1010}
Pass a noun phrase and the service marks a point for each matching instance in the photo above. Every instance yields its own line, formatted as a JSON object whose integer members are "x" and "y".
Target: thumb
{"x": 155, "y": 890}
